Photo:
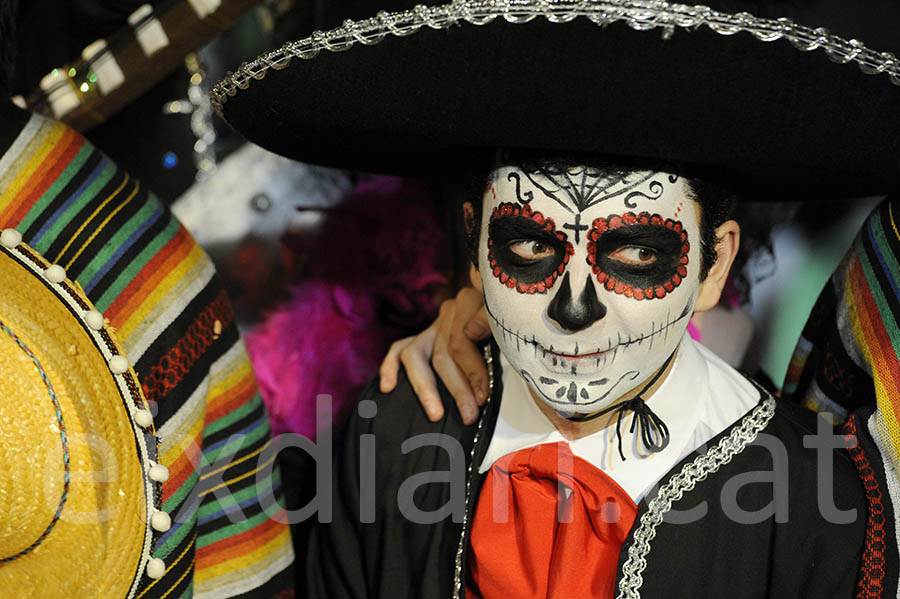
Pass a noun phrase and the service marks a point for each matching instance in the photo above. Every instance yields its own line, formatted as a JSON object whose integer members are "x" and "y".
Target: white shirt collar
{"x": 683, "y": 402}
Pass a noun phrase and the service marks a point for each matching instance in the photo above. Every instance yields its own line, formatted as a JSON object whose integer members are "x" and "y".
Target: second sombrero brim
{"x": 778, "y": 122}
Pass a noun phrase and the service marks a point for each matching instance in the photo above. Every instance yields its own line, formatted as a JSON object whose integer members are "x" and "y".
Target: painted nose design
{"x": 572, "y": 314}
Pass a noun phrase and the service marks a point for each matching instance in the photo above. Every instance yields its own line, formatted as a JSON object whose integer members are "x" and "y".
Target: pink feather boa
{"x": 380, "y": 253}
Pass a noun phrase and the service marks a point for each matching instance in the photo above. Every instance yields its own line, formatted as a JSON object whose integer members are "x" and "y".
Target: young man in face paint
{"x": 605, "y": 420}
{"x": 448, "y": 345}
{"x": 589, "y": 277}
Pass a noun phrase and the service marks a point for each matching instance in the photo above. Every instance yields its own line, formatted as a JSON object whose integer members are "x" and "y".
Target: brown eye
{"x": 633, "y": 255}
{"x": 532, "y": 251}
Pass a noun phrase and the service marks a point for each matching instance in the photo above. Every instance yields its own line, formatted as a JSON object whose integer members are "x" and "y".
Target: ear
{"x": 475, "y": 277}
{"x": 729, "y": 240}
{"x": 468, "y": 217}
{"x": 469, "y": 220}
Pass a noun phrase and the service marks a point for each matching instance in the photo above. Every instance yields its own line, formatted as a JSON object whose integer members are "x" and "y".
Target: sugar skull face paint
{"x": 622, "y": 255}
{"x": 589, "y": 276}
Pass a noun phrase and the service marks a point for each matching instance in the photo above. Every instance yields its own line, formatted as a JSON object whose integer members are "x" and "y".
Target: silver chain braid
{"x": 461, "y": 546}
{"x": 681, "y": 483}
{"x": 641, "y": 15}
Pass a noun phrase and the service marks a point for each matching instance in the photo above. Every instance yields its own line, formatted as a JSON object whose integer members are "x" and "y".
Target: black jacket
{"x": 765, "y": 555}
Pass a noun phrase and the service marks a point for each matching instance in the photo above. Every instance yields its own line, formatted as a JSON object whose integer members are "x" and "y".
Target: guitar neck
{"x": 110, "y": 73}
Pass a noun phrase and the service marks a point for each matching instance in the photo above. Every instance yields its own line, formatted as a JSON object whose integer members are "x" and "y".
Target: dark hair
{"x": 717, "y": 203}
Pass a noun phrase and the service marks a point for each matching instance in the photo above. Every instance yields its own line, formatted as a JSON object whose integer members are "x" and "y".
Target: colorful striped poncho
{"x": 847, "y": 363}
{"x": 158, "y": 289}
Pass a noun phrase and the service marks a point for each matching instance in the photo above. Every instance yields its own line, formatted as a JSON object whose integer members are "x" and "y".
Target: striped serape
{"x": 158, "y": 289}
{"x": 847, "y": 363}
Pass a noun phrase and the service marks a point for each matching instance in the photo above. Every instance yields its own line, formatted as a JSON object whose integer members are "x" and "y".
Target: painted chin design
{"x": 580, "y": 379}
{"x": 569, "y": 394}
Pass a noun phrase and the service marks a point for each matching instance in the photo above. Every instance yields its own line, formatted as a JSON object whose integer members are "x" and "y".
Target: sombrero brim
{"x": 77, "y": 477}
{"x": 777, "y": 121}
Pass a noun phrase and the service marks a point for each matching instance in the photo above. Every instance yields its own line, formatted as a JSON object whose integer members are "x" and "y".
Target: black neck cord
{"x": 654, "y": 432}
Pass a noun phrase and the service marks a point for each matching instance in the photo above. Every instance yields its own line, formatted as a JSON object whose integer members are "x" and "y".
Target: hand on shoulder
{"x": 449, "y": 346}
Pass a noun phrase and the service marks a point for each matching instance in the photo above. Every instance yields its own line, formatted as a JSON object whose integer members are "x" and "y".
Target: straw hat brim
{"x": 73, "y": 478}
{"x": 776, "y": 121}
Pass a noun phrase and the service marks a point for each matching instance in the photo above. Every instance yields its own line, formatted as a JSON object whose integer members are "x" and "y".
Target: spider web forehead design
{"x": 578, "y": 188}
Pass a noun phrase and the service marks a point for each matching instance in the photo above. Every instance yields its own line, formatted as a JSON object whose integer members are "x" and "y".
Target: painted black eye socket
{"x": 524, "y": 249}
{"x": 639, "y": 255}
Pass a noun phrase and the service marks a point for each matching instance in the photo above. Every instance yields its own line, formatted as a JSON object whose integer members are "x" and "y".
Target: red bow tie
{"x": 548, "y": 524}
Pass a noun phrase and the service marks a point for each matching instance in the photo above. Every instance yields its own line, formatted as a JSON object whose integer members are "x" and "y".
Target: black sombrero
{"x": 770, "y": 98}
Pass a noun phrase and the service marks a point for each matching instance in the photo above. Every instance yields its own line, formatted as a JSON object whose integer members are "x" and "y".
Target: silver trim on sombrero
{"x": 642, "y": 15}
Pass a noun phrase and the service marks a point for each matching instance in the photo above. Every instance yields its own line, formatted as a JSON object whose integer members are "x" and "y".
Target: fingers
{"x": 449, "y": 344}
{"x": 390, "y": 366}
{"x": 470, "y": 325}
{"x": 445, "y": 366}
{"x": 415, "y": 359}
{"x": 413, "y": 353}
{"x": 478, "y": 328}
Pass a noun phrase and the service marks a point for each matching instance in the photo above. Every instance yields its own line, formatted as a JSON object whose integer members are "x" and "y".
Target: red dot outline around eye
{"x": 614, "y": 221}
{"x": 509, "y": 209}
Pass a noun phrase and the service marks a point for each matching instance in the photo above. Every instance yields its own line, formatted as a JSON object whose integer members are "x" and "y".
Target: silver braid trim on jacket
{"x": 683, "y": 482}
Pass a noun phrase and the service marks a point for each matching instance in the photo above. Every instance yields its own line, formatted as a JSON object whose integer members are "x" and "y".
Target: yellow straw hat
{"x": 78, "y": 476}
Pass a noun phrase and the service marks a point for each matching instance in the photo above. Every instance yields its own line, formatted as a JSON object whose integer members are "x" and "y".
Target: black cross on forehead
{"x": 577, "y": 227}
{"x": 578, "y": 188}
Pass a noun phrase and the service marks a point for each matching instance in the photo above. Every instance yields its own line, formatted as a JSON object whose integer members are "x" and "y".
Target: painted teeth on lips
{"x": 575, "y": 356}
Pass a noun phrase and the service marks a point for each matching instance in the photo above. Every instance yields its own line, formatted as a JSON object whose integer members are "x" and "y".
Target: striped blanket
{"x": 847, "y": 363}
{"x": 158, "y": 289}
